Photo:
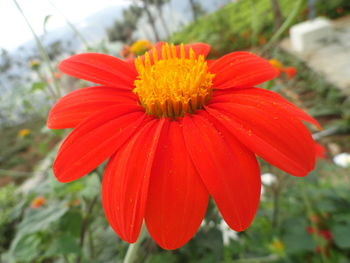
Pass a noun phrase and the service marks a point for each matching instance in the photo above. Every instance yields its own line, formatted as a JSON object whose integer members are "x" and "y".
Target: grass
{"x": 249, "y": 23}
{"x": 19, "y": 155}
{"x": 235, "y": 26}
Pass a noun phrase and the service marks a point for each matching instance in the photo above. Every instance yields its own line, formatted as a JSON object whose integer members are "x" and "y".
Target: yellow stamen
{"x": 174, "y": 84}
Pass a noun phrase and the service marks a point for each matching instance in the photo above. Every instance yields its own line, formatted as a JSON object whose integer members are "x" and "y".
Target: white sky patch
{"x": 14, "y": 31}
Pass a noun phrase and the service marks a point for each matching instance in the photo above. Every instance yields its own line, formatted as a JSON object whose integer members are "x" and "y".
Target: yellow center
{"x": 174, "y": 85}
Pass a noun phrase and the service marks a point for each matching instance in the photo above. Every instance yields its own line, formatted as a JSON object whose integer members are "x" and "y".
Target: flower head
{"x": 174, "y": 85}
{"x": 277, "y": 246}
{"x": 38, "y": 202}
{"x": 23, "y": 133}
{"x": 262, "y": 39}
{"x": 137, "y": 48}
{"x": 125, "y": 52}
{"x": 177, "y": 128}
{"x": 140, "y": 47}
{"x": 34, "y": 64}
{"x": 57, "y": 75}
{"x": 289, "y": 71}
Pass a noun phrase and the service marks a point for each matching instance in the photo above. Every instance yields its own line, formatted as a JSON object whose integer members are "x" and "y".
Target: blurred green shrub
{"x": 248, "y": 23}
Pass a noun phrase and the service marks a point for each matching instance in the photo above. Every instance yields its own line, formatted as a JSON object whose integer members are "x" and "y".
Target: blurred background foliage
{"x": 299, "y": 219}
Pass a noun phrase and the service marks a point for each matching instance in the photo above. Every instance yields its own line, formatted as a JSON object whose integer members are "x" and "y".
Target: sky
{"x": 14, "y": 31}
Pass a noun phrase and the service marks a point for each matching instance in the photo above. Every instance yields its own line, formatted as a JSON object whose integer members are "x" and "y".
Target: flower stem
{"x": 131, "y": 254}
{"x": 84, "y": 226}
{"x": 43, "y": 54}
{"x": 316, "y": 237}
{"x": 286, "y": 24}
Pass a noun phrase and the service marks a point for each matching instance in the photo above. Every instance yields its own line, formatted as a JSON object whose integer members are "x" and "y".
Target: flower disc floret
{"x": 173, "y": 85}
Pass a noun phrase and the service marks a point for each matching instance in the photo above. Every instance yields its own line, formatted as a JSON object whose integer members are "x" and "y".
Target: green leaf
{"x": 26, "y": 248}
{"x": 38, "y": 86}
{"x": 64, "y": 190}
{"x": 71, "y": 223}
{"x": 212, "y": 240}
{"x": 40, "y": 219}
{"x": 162, "y": 257}
{"x": 63, "y": 244}
{"x": 46, "y": 19}
{"x": 341, "y": 235}
{"x": 209, "y": 258}
{"x": 297, "y": 239}
{"x": 296, "y": 242}
{"x": 92, "y": 186}
{"x": 27, "y": 105}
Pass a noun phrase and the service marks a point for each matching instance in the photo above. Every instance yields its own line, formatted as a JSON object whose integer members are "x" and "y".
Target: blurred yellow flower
{"x": 277, "y": 246}
{"x": 140, "y": 46}
{"x": 24, "y": 132}
{"x": 276, "y": 64}
{"x": 34, "y": 64}
{"x": 38, "y": 202}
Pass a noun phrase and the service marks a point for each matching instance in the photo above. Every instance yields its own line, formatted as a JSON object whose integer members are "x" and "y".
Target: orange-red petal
{"x": 198, "y": 48}
{"x": 96, "y": 139}
{"x": 78, "y": 105}
{"x": 241, "y": 69}
{"x": 228, "y": 169}
{"x": 320, "y": 151}
{"x": 177, "y": 198}
{"x": 126, "y": 179}
{"x": 100, "y": 68}
{"x": 271, "y": 132}
{"x": 259, "y": 95}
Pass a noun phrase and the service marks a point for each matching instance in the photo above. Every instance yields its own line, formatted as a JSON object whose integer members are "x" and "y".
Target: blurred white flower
{"x": 227, "y": 232}
{"x": 342, "y": 159}
{"x": 268, "y": 179}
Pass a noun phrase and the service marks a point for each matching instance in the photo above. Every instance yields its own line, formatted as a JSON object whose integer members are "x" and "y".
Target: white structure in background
{"x": 342, "y": 160}
{"x": 227, "y": 232}
{"x": 268, "y": 179}
{"x": 310, "y": 34}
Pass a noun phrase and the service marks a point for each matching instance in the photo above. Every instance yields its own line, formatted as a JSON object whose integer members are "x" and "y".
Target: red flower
{"x": 38, "y": 202}
{"x": 290, "y": 72}
{"x": 325, "y": 233}
{"x": 177, "y": 129}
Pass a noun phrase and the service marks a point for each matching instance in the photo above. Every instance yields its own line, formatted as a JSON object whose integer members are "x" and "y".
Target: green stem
{"x": 84, "y": 226}
{"x": 270, "y": 258}
{"x": 314, "y": 226}
{"x": 51, "y": 92}
{"x": 254, "y": 23}
{"x": 42, "y": 52}
{"x": 131, "y": 254}
{"x": 91, "y": 243}
{"x": 287, "y": 23}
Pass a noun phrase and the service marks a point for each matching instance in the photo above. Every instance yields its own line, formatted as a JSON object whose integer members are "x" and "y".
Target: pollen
{"x": 173, "y": 83}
